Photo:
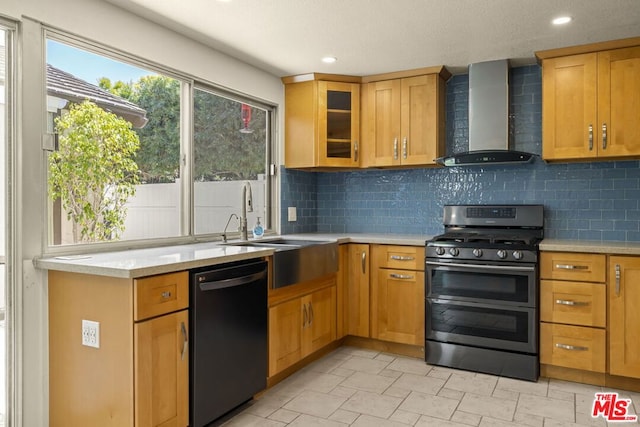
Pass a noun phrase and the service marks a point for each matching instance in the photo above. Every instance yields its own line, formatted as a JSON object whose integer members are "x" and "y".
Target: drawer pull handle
{"x": 402, "y": 258}
{"x": 364, "y": 262}
{"x": 185, "y": 340}
{"x": 571, "y": 267}
{"x": 401, "y": 276}
{"x": 166, "y": 295}
{"x": 571, "y": 347}
{"x": 571, "y": 303}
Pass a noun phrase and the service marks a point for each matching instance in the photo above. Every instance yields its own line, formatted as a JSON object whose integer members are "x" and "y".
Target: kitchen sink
{"x": 296, "y": 261}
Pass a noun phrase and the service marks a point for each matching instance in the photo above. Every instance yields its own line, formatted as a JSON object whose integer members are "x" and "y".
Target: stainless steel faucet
{"x": 247, "y": 206}
{"x": 224, "y": 233}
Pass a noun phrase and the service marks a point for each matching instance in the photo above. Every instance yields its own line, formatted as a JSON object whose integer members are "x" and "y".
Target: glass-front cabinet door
{"x": 338, "y": 124}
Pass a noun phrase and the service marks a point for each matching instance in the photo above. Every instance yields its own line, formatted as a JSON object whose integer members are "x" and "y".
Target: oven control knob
{"x": 502, "y": 254}
{"x": 517, "y": 255}
{"x": 453, "y": 251}
{"x": 477, "y": 253}
{"x": 439, "y": 251}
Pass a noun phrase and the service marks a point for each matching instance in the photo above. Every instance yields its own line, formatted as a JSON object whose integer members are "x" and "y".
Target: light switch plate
{"x": 292, "y": 214}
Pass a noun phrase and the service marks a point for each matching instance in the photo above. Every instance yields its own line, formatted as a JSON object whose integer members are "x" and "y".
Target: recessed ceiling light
{"x": 329, "y": 59}
{"x": 561, "y": 20}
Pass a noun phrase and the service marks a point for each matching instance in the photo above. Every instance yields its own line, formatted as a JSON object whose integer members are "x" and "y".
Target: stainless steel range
{"x": 481, "y": 289}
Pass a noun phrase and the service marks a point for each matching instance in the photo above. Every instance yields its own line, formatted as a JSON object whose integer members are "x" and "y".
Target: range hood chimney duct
{"x": 488, "y": 118}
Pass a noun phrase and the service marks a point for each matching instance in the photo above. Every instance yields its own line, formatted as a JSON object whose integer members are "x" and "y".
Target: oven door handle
{"x": 482, "y": 267}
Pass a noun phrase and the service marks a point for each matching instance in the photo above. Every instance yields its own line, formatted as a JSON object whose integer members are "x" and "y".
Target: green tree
{"x": 221, "y": 151}
{"x": 93, "y": 172}
{"x": 159, "y": 155}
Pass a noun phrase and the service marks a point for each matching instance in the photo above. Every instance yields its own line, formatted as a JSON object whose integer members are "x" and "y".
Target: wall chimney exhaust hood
{"x": 488, "y": 118}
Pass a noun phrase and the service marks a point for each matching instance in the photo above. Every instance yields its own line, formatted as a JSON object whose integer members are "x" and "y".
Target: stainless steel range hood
{"x": 488, "y": 118}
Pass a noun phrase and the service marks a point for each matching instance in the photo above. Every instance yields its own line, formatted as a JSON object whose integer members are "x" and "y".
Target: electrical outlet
{"x": 292, "y": 214}
{"x": 90, "y": 333}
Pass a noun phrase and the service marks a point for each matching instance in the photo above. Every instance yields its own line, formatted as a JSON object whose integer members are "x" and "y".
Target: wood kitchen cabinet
{"x": 403, "y": 119}
{"x": 624, "y": 316}
{"x": 357, "y": 299}
{"x": 588, "y": 109}
{"x": 322, "y": 121}
{"x": 302, "y": 320}
{"x": 573, "y": 311}
{"x": 397, "y": 294}
{"x": 139, "y": 374}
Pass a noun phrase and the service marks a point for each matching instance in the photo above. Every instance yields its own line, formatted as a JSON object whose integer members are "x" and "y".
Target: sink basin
{"x": 296, "y": 261}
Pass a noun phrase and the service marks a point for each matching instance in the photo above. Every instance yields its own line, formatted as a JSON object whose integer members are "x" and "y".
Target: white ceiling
{"x": 286, "y": 37}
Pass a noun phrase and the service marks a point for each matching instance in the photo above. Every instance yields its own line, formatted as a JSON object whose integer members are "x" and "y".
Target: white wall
{"x": 102, "y": 22}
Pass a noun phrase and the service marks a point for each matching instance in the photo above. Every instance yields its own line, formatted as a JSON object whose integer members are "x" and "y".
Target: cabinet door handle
{"x": 571, "y": 267}
{"x": 185, "y": 340}
{"x": 571, "y": 347}
{"x": 166, "y": 295}
{"x": 395, "y": 149}
{"x": 404, "y": 147}
{"x": 401, "y": 258}
{"x": 604, "y": 136}
{"x": 304, "y": 316}
{"x": 364, "y": 262}
{"x": 590, "y": 137}
{"x": 401, "y": 276}
{"x": 310, "y": 313}
{"x": 570, "y": 302}
{"x": 618, "y": 274}
{"x": 355, "y": 151}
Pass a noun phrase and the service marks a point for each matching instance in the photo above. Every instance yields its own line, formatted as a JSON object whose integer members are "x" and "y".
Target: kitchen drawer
{"x": 574, "y": 347}
{"x": 573, "y": 266}
{"x": 574, "y": 303}
{"x": 157, "y": 295}
{"x": 400, "y": 257}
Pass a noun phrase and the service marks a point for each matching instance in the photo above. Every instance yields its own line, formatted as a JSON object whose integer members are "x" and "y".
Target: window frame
{"x": 187, "y": 209}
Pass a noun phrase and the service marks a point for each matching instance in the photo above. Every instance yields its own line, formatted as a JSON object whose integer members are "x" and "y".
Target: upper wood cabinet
{"x": 588, "y": 97}
{"x": 403, "y": 119}
{"x": 322, "y": 121}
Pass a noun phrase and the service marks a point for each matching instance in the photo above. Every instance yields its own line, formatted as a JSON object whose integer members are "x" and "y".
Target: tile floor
{"x": 358, "y": 387}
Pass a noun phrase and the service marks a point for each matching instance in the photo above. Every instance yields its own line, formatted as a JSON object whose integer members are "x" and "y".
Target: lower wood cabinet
{"x": 139, "y": 375}
{"x": 357, "y": 299}
{"x": 573, "y": 347}
{"x": 301, "y": 325}
{"x": 624, "y": 316}
{"x": 397, "y": 294}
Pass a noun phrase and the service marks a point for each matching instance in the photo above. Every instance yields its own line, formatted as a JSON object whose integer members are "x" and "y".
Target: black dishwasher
{"x": 228, "y": 345}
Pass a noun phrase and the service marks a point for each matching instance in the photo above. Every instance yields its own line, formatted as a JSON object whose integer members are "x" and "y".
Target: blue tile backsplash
{"x": 584, "y": 201}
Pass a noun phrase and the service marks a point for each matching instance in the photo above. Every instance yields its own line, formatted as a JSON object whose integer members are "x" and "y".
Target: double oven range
{"x": 481, "y": 290}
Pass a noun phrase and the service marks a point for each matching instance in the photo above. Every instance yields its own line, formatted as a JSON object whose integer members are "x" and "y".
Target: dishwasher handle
{"x": 228, "y": 283}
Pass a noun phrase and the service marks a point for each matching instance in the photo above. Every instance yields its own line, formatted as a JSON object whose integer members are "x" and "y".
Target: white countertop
{"x": 147, "y": 262}
{"x": 590, "y": 246}
{"x": 150, "y": 261}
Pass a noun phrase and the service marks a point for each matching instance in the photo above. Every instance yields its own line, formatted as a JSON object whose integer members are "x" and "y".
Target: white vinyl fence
{"x": 154, "y": 211}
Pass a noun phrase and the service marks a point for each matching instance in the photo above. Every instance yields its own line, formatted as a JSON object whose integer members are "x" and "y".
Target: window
{"x": 121, "y": 179}
{"x": 7, "y": 260}
{"x": 229, "y": 140}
